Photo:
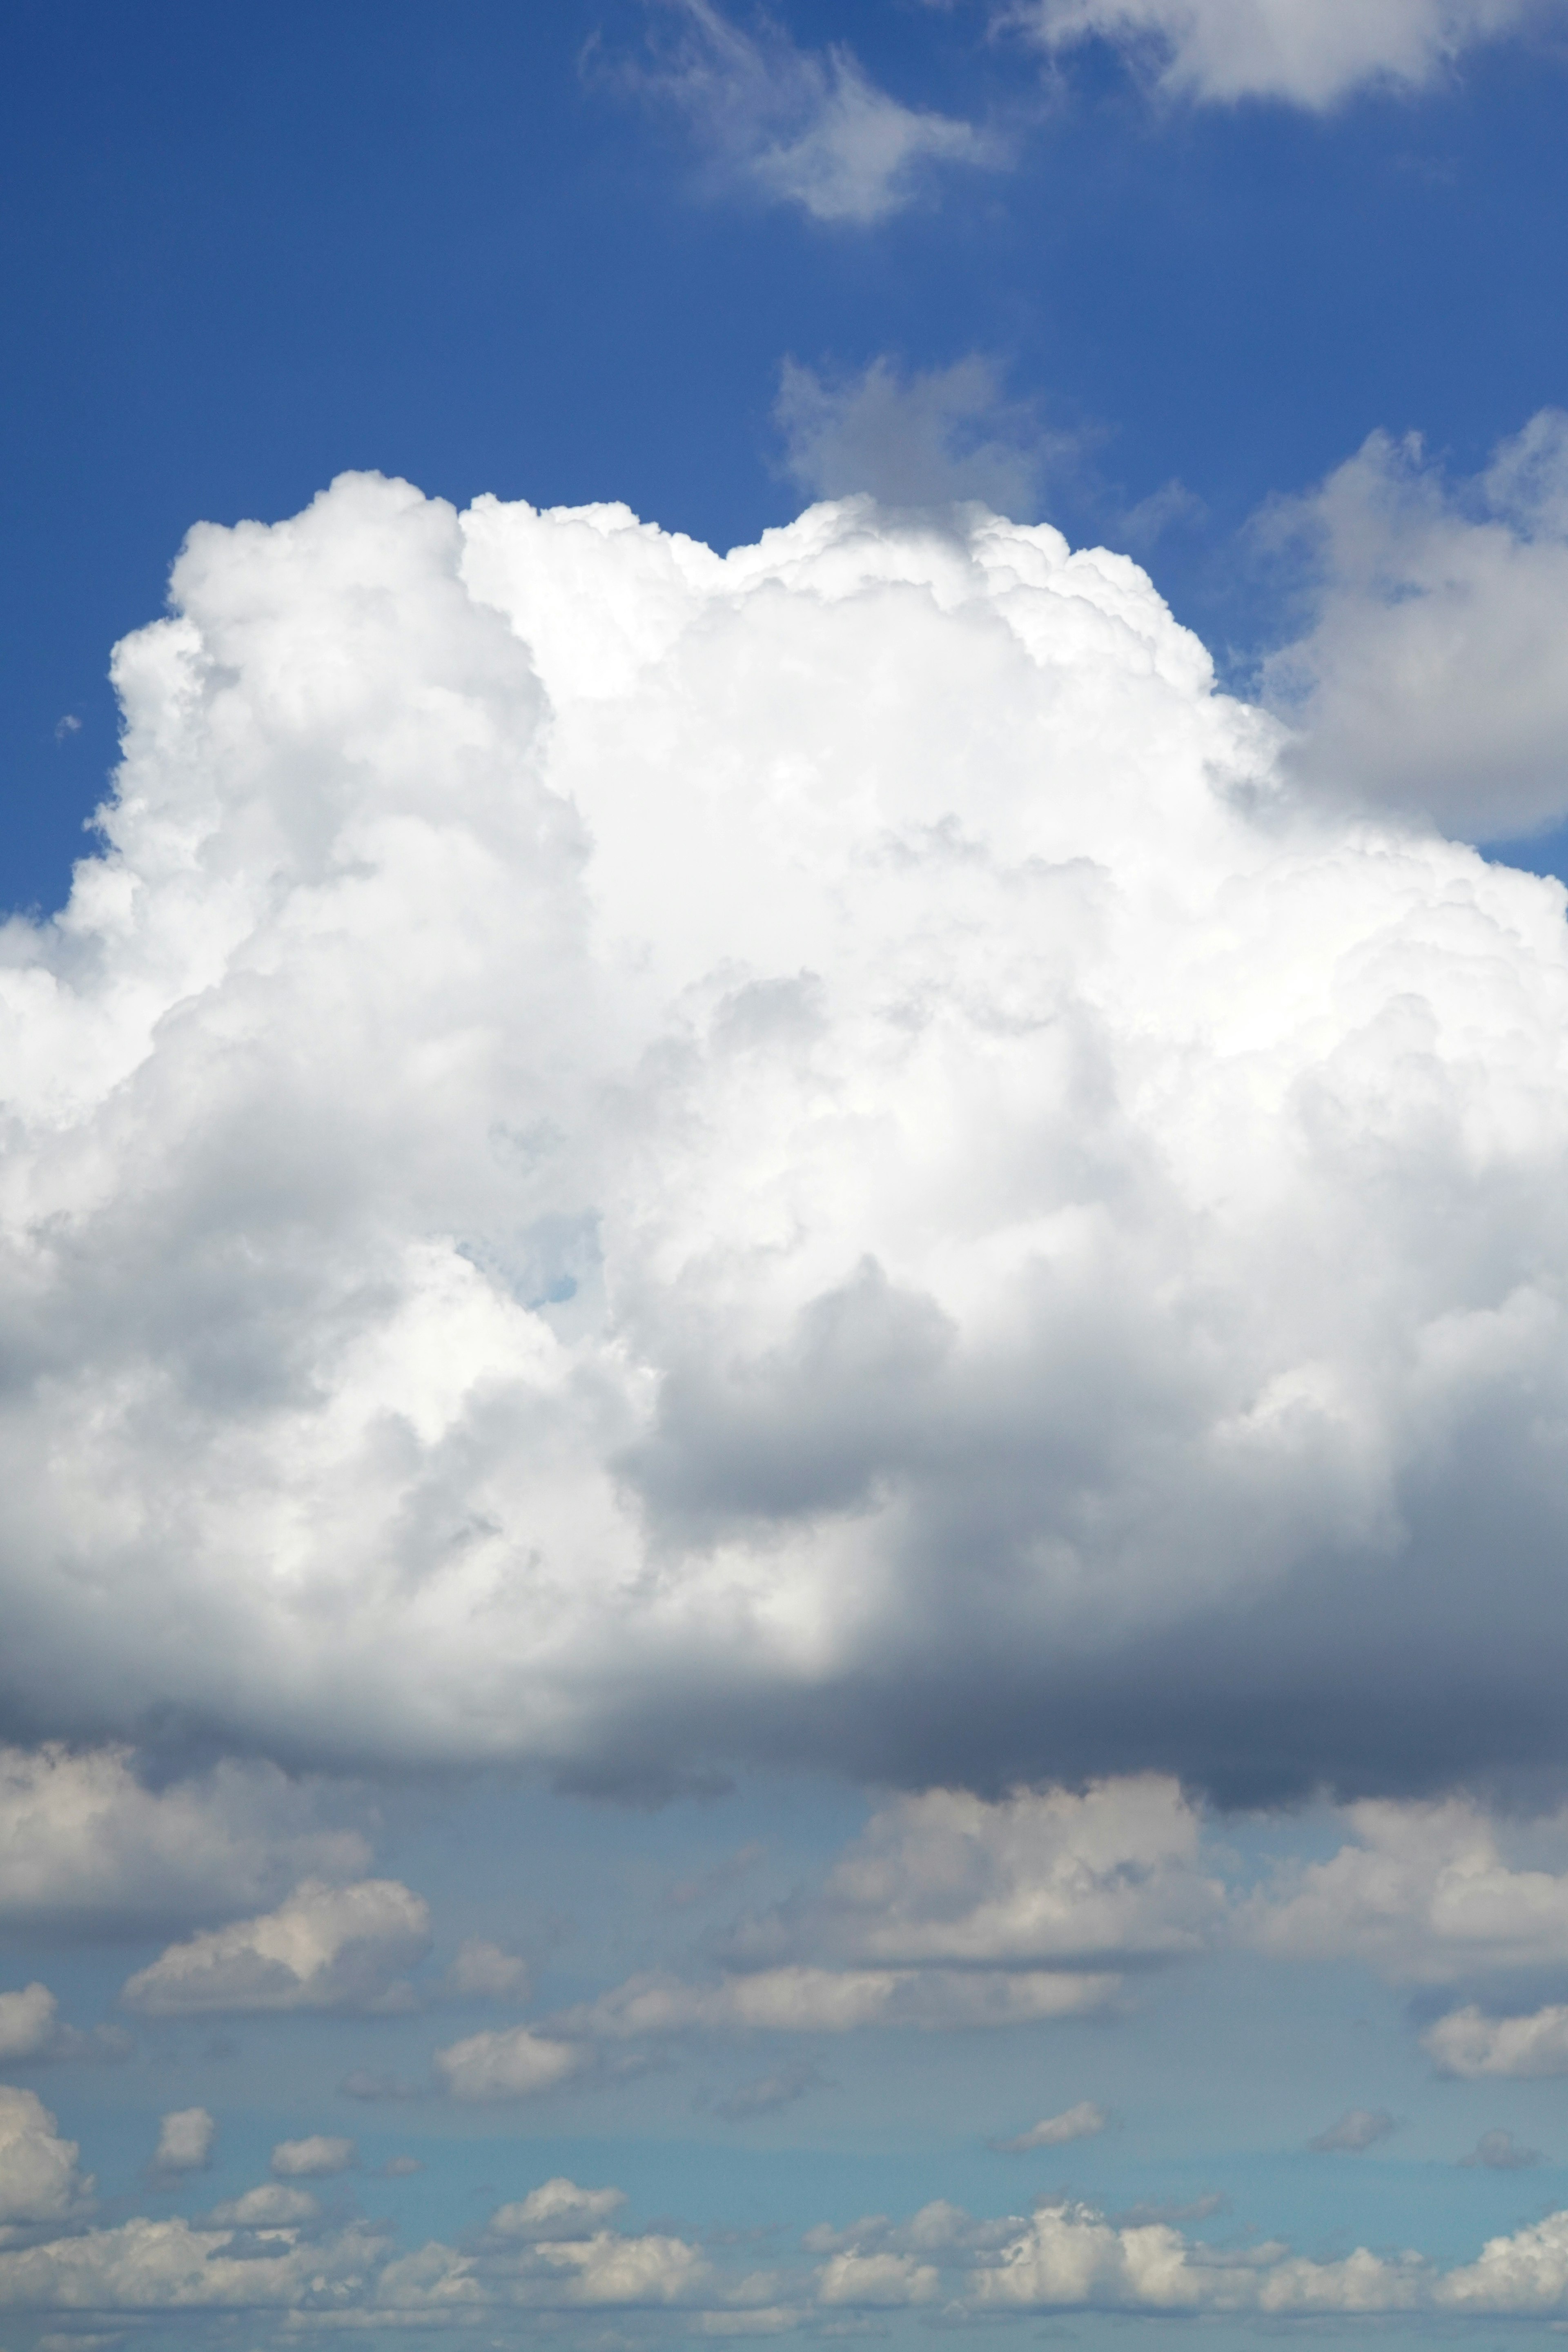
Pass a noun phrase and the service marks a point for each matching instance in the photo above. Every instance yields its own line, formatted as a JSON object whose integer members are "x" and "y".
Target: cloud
{"x": 768, "y": 2093}
{"x": 1423, "y": 1895}
{"x": 1357, "y": 2129}
{"x": 1297, "y": 50}
{"x": 631, "y": 1160}
{"x": 1038, "y": 1877}
{"x": 270, "y": 2207}
{"x": 799, "y": 127}
{"x": 1430, "y": 678}
{"x": 558, "y": 2210}
{"x": 184, "y": 2141}
{"x": 30, "y": 2028}
{"x": 336, "y": 1947}
{"x": 483, "y": 1971}
{"x": 1499, "y": 2151}
{"x": 315, "y": 2158}
{"x": 516, "y": 2064}
{"x": 917, "y": 439}
{"x": 84, "y": 1842}
{"x": 1086, "y": 2121}
{"x": 39, "y": 2180}
{"x": 803, "y": 1999}
{"x": 1468, "y": 2042}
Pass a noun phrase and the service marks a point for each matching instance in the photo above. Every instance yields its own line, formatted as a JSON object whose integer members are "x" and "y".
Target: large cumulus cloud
{"x": 629, "y": 1159}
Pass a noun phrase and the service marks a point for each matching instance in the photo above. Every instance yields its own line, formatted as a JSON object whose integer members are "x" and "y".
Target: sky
{"x": 783, "y": 1268}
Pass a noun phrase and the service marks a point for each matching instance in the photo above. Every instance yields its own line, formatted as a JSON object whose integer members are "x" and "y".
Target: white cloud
{"x": 83, "y": 1841}
{"x": 39, "y": 2180}
{"x": 1431, "y": 678}
{"x": 1469, "y": 2041}
{"x": 914, "y": 439}
{"x": 270, "y": 2207}
{"x": 515, "y": 2064}
{"x": 483, "y": 1971}
{"x": 184, "y": 2141}
{"x": 296, "y": 2159}
{"x": 325, "y": 1948}
{"x": 1424, "y": 1894}
{"x": 801, "y": 127}
{"x": 805, "y": 2000}
{"x": 1313, "y": 53}
{"x": 1063, "y": 1238}
{"x": 1499, "y": 2151}
{"x": 1086, "y": 2121}
{"x": 1039, "y": 1876}
{"x": 30, "y": 2027}
{"x": 1357, "y": 2129}
{"x": 558, "y": 2210}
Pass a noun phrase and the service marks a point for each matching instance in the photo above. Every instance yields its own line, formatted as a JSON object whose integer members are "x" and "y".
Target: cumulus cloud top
{"x": 39, "y": 2180}
{"x": 629, "y": 1158}
{"x": 184, "y": 2141}
{"x": 326, "y": 1947}
{"x": 318, "y": 2155}
{"x": 1313, "y": 53}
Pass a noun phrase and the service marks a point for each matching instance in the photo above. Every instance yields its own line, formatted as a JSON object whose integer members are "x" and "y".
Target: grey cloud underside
{"x": 634, "y": 1161}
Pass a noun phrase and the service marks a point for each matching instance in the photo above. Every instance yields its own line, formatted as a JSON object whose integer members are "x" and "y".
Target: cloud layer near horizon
{"x": 633, "y": 1159}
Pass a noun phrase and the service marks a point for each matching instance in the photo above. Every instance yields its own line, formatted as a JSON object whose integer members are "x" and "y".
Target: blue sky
{"x": 783, "y": 1329}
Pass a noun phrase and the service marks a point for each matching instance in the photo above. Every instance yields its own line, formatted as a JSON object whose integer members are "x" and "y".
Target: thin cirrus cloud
{"x": 862, "y": 1176}
{"x": 797, "y": 126}
{"x": 1309, "y": 53}
{"x": 326, "y": 1947}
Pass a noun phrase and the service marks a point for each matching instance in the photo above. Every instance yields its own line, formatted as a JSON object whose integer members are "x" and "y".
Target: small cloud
{"x": 1172, "y": 507}
{"x": 67, "y": 727}
{"x": 1357, "y": 2129}
{"x": 401, "y": 2168}
{"x": 803, "y": 127}
{"x": 516, "y": 2064}
{"x": 557, "y": 2211}
{"x": 1499, "y": 2151}
{"x": 30, "y": 2030}
{"x": 766, "y": 2095}
{"x": 923, "y": 439}
{"x": 483, "y": 1971}
{"x": 270, "y": 2207}
{"x": 1086, "y": 2121}
{"x": 295, "y": 2159}
{"x": 184, "y": 2141}
{"x": 325, "y": 1948}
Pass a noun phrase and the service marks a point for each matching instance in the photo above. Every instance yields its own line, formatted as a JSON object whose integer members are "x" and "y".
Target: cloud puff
{"x": 516, "y": 2064}
{"x": 1298, "y": 50}
{"x": 914, "y": 439}
{"x": 184, "y": 2141}
{"x": 767, "y": 2094}
{"x": 30, "y": 2027}
{"x": 336, "y": 1947}
{"x": 270, "y": 2207}
{"x": 1424, "y": 1894}
{"x": 1039, "y": 1876}
{"x": 1431, "y": 678}
{"x": 799, "y": 126}
{"x": 295, "y": 2159}
{"x": 83, "y": 1839}
{"x": 1086, "y": 2121}
{"x": 1499, "y": 2151}
{"x": 1357, "y": 2129}
{"x": 631, "y": 1159}
{"x": 558, "y": 2210}
{"x": 1469, "y": 2041}
{"x": 39, "y": 2180}
{"x": 483, "y": 1971}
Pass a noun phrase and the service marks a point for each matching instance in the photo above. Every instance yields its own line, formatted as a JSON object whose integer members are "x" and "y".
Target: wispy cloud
{"x": 1309, "y": 53}
{"x": 802, "y": 127}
